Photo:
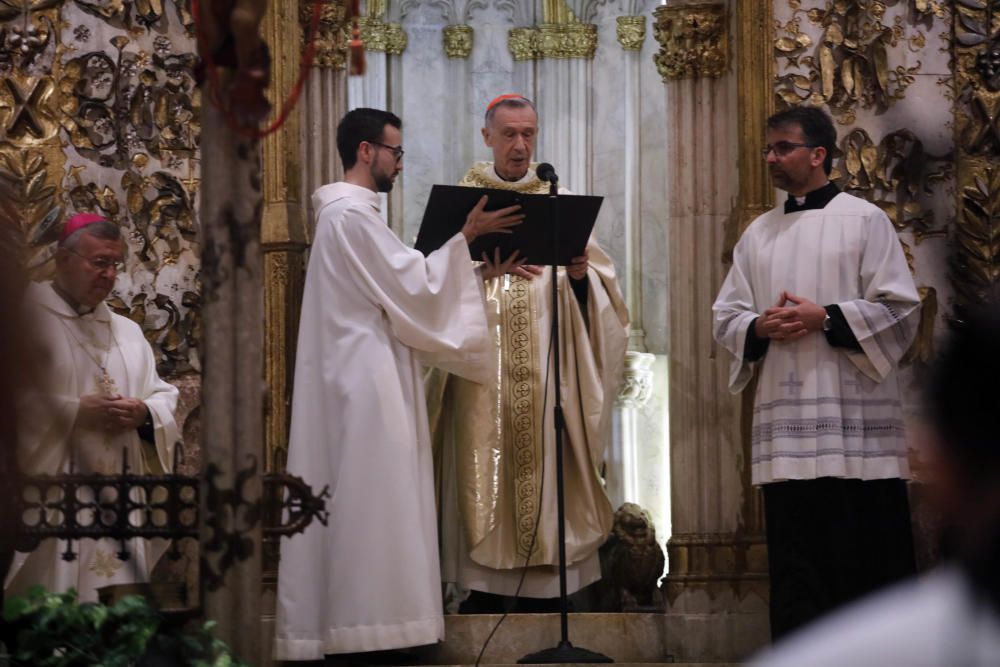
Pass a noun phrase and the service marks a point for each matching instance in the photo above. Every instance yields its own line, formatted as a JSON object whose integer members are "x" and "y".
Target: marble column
{"x": 717, "y": 577}
{"x": 232, "y": 387}
{"x": 324, "y": 103}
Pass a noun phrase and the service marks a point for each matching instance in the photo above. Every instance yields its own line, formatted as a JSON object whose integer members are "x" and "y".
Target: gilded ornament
{"x": 378, "y": 36}
{"x": 457, "y": 40}
{"x": 694, "y": 41}
{"x": 895, "y": 175}
{"x": 523, "y": 43}
{"x": 567, "y": 40}
{"x": 332, "y": 33}
{"x": 975, "y": 260}
{"x": 10, "y": 10}
{"x": 631, "y": 32}
{"x": 27, "y": 199}
{"x": 848, "y": 67}
{"x": 27, "y": 109}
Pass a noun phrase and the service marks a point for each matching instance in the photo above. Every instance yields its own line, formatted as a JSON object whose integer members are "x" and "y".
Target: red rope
{"x": 288, "y": 105}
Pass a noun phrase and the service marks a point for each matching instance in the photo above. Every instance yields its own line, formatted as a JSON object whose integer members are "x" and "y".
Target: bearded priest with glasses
{"x": 820, "y": 304}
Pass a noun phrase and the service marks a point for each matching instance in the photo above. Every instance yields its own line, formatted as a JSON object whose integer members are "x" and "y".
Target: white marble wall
{"x": 602, "y": 126}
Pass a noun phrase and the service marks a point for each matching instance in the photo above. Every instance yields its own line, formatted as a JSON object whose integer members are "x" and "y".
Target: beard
{"x": 383, "y": 181}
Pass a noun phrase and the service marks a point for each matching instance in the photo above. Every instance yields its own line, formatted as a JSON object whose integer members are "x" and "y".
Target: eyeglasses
{"x": 783, "y": 148}
{"x": 101, "y": 263}
{"x": 396, "y": 150}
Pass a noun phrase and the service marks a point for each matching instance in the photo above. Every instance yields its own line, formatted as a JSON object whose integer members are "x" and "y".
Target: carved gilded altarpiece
{"x": 975, "y": 269}
{"x": 99, "y": 112}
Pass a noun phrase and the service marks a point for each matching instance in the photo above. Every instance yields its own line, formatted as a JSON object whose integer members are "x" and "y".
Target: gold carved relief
{"x": 631, "y": 32}
{"x": 332, "y": 33}
{"x": 457, "y": 40}
{"x": 379, "y": 36}
{"x": 559, "y": 35}
{"x": 694, "y": 41}
{"x": 895, "y": 175}
{"x": 848, "y": 65}
{"x": 523, "y": 43}
{"x": 975, "y": 266}
{"x": 567, "y": 40}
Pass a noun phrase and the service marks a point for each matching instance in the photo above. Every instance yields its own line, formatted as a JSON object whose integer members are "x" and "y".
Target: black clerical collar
{"x": 814, "y": 200}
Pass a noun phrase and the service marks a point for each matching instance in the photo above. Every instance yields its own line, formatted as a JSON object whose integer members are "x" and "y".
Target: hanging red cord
{"x": 288, "y": 105}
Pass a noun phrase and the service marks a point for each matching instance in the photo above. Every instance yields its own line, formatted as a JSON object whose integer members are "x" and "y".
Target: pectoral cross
{"x": 106, "y": 384}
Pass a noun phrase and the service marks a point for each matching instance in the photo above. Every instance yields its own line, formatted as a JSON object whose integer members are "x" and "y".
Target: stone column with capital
{"x": 716, "y": 588}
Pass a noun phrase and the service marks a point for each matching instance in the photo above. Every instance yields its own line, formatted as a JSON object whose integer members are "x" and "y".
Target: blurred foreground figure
{"x": 100, "y": 399}
{"x": 952, "y": 615}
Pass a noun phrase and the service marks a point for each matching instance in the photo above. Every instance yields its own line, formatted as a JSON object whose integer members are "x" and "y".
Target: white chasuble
{"x": 369, "y": 579}
{"x": 78, "y": 350}
{"x": 495, "y": 442}
{"x": 823, "y": 411}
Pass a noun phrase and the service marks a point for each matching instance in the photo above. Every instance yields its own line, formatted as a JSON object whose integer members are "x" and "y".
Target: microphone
{"x": 546, "y": 172}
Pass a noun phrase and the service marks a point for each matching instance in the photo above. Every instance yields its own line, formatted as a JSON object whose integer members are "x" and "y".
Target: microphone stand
{"x": 564, "y": 652}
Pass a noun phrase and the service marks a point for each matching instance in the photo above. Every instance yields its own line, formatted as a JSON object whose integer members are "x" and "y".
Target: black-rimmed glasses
{"x": 783, "y": 148}
{"x": 396, "y": 150}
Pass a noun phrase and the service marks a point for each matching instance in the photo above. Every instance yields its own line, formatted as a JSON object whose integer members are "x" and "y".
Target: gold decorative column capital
{"x": 567, "y": 40}
{"x": 694, "y": 40}
{"x": 332, "y": 34}
{"x": 457, "y": 40}
{"x": 523, "y": 43}
{"x": 379, "y": 36}
{"x": 631, "y": 32}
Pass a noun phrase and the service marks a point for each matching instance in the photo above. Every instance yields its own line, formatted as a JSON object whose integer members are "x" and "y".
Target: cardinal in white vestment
{"x": 373, "y": 311}
{"x": 99, "y": 400}
{"x": 828, "y": 444}
{"x": 495, "y": 442}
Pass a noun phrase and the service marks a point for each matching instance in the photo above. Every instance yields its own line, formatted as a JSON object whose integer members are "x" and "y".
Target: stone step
{"x": 629, "y": 639}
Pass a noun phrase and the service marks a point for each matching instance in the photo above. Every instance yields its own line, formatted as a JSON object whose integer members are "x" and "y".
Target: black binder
{"x": 449, "y": 205}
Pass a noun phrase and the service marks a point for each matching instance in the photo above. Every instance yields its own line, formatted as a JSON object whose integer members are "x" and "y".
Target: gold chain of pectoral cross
{"x": 104, "y": 381}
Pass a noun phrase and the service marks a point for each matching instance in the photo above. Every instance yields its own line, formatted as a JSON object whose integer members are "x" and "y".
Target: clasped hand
{"x": 789, "y": 323}
{"x": 114, "y": 415}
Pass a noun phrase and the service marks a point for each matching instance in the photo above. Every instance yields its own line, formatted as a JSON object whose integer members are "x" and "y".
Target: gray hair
{"x": 102, "y": 229}
{"x": 510, "y": 102}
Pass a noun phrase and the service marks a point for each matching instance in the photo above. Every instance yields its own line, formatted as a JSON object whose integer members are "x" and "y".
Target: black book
{"x": 449, "y": 205}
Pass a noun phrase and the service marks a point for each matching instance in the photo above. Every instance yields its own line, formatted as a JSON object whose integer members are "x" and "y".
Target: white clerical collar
{"x": 46, "y": 296}
{"x": 327, "y": 194}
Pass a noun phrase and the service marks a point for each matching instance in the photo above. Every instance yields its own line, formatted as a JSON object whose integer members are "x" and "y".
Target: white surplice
{"x": 823, "y": 411}
{"x": 75, "y": 346}
{"x": 369, "y": 580}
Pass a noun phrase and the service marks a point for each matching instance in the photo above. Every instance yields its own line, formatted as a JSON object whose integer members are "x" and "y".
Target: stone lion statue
{"x": 632, "y": 561}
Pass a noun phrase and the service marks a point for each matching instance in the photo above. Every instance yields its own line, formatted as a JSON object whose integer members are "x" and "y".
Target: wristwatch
{"x": 827, "y": 323}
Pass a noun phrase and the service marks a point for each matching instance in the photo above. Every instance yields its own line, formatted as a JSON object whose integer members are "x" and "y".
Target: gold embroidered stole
{"x": 521, "y": 390}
